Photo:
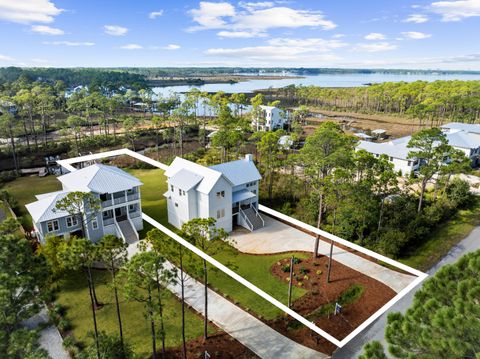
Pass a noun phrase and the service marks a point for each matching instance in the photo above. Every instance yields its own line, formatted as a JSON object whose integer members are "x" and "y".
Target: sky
{"x": 303, "y": 33}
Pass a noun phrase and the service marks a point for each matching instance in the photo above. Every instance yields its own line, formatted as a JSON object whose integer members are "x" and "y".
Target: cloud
{"x": 115, "y": 30}
{"x": 68, "y": 43}
{"x": 416, "y": 18}
{"x": 132, "y": 47}
{"x": 240, "y": 34}
{"x": 375, "y": 36}
{"x": 375, "y": 47}
{"x": 254, "y": 18}
{"x": 6, "y": 58}
{"x": 171, "y": 47}
{"x": 338, "y": 36}
{"x": 154, "y": 14}
{"x": 46, "y": 30}
{"x": 27, "y": 11}
{"x": 456, "y": 10}
{"x": 282, "y": 49}
{"x": 415, "y": 35}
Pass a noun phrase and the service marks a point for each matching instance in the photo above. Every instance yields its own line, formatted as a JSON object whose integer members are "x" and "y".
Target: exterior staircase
{"x": 129, "y": 234}
{"x": 254, "y": 218}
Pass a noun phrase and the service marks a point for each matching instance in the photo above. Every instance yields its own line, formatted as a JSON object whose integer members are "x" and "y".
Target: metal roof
{"x": 99, "y": 178}
{"x": 44, "y": 209}
{"x": 185, "y": 179}
{"x": 463, "y": 140}
{"x": 210, "y": 176}
{"x": 391, "y": 149}
{"x": 242, "y": 195}
{"x": 466, "y": 127}
{"x": 239, "y": 172}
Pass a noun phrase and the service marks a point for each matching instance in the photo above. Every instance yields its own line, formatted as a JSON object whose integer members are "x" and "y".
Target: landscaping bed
{"x": 359, "y": 295}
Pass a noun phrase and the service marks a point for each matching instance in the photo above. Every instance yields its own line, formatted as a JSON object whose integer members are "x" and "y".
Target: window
{"x": 130, "y": 191}
{"x": 176, "y": 204}
{"x": 132, "y": 207}
{"x": 72, "y": 221}
{"x": 221, "y": 194}
{"x": 52, "y": 226}
{"x": 94, "y": 223}
{"x": 220, "y": 213}
{"x": 103, "y": 197}
{"x": 181, "y": 192}
{"x": 171, "y": 187}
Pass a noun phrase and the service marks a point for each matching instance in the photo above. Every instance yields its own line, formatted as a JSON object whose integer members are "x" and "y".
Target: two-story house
{"x": 118, "y": 194}
{"x": 269, "y": 118}
{"x": 227, "y": 192}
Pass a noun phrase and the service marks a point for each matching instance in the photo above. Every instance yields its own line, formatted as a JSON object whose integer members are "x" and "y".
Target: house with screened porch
{"x": 227, "y": 192}
{"x": 118, "y": 194}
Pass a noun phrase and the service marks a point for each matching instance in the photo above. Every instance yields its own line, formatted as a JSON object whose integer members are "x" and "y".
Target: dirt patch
{"x": 311, "y": 275}
{"x": 219, "y": 345}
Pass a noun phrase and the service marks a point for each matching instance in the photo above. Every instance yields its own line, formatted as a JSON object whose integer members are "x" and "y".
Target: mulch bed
{"x": 219, "y": 345}
{"x": 374, "y": 296}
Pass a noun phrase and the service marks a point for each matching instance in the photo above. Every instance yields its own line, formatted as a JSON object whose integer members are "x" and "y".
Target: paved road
{"x": 376, "y": 330}
{"x": 278, "y": 237}
{"x": 248, "y": 330}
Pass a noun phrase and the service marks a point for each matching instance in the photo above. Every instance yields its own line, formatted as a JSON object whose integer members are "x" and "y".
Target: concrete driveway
{"x": 277, "y": 237}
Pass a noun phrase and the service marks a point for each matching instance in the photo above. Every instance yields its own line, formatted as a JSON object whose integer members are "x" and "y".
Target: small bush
{"x": 64, "y": 325}
{"x": 304, "y": 271}
{"x": 286, "y": 268}
{"x": 319, "y": 272}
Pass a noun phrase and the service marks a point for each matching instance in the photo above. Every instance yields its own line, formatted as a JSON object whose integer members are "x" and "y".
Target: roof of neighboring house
{"x": 209, "y": 176}
{"x": 463, "y": 140}
{"x": 379, "y": 131}
{"x": 362, "y": 135}
{"x": 239, "y": 172}
{"x": 44, "y": 209}
{"x": 397, "y": 150}
{"x": 99, "y": 178}
{"x": 185, "y": 179}
{"x": 267, "y": 108}
{"x": 466, "y": 127}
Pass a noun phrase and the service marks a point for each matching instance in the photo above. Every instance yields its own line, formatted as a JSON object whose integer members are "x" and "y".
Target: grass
{"x": 444, "y": 237}
{"x": 74, "y": 296}
{"x": 24, "y": 190}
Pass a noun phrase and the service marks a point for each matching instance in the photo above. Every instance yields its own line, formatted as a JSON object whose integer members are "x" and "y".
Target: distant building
{"x": 227, "y": 192}
{"x": 119, "y": 195}
{"x": 270, "y": 118}
{"x": 397, "y": 153}
{"x": 379, "y": 134}
{"x": 464, "y": 137}
{"x": 363, "y": 136}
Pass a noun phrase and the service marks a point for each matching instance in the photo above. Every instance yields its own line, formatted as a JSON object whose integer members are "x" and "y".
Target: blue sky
{"x": 313, "y": 33}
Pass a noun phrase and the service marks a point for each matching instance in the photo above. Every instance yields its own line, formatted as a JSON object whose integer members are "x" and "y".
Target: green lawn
{"x": 24, "y": 190}
{"x": 444, "y": 238}
{"x": 74, "y": 296}
{"x": 252, "y": 267}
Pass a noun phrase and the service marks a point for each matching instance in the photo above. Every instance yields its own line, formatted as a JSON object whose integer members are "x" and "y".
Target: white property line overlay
{"x": 67, "y": 164}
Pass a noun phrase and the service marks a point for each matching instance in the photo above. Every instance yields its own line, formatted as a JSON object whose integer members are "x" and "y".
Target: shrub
{"x": 69, "y": 341}
{"x": 110, "y": 347}
{"x": 286, "y": 268}
{"x": 64, "y": 325}
{"x": 458, "y": 191}
{"x": 319, "y": 272}
{"x": 304, "y": 270}
{"x": 59, "y": 309}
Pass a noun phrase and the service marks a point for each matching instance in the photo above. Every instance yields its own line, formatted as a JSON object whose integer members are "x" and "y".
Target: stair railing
{"x": 244, "y": 215}
{"x": 259, "y": 216}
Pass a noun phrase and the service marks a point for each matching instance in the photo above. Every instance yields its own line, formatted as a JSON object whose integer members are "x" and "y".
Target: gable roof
{"x": 391, "y": 149}
{"x": 463, "y": 140}
{"x": 185, "y": 179}
{"x": 44, "y": 209}
{"x": 99, "y": 178}
{"x": 239, "y": 172}
{"x": 459, "y": 126}
{"x": 209, "y": 176}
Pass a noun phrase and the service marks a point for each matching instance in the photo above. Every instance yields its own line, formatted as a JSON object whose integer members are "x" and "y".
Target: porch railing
{"x": 258, "y": 215}
{"x": 108, "y": 221}
{"x": 132, "y": 197}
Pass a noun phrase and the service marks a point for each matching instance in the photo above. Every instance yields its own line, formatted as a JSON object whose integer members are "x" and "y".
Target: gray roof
{"x": 99, "y": 178}
{"x": 239, "y": 172}
{"x": 463, "y": 140}
{"x": 391, "y": 149}
{"x": 44, "y": 209}
{"x": 466, "y": 127}
{"x": 210, "y": 177}
{"x": 242, "y": 195}
{"x": 185, "y": 179}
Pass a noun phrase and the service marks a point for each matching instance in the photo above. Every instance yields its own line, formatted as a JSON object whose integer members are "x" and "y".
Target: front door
{"x": 118, "y": 212}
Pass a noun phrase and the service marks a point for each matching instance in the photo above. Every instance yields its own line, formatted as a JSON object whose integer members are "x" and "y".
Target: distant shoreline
{"x": 220, "y": 79}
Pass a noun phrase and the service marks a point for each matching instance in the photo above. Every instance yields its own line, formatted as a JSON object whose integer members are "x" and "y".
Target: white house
{"x": 227, "y": 192}
{"x": 396, "y": 151}
{"x": 464, "y": 137}
{"x": 270, "y": 118}
{"x": 119, "y": 196}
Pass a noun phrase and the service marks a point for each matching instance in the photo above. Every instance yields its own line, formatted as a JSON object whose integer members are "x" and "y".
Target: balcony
{"x": 133, "y": 197}
{"x": 108, "y": 221}
{"x": 107, "y": 203}
{"x": 135, "y": 214}
{"x": 119, "y": 200}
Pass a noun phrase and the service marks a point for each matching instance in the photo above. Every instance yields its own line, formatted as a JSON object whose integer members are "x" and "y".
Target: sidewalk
{"x": 278, "y": 237}
{"x": 244, "y": 327}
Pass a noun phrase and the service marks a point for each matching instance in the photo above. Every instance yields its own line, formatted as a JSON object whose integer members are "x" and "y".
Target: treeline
{"x": 94, "y": 78}
{"x": 431, "y": 102}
